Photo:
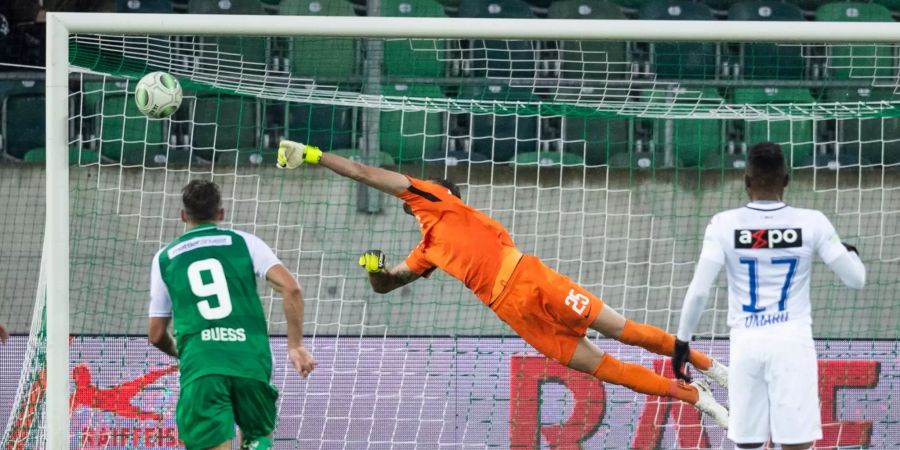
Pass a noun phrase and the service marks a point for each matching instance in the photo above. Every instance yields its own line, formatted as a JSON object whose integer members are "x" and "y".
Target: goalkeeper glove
{"x": 291, "y": 154}
{"x": 372, "y": 261}
{"x": 679, "y": 359}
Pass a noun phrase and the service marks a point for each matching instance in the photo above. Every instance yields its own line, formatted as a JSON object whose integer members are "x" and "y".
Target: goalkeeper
{"x": 548, "y": 310}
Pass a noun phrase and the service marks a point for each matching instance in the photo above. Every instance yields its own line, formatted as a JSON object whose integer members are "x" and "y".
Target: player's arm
{"x": 386, "y": 280}
{"x": 712, "y": 258}
{"x": 160, "y": 312}
{"x": 4, "y": 335}
{"x": 849, "y": 268}
{"x": 293, "y": 154}
{"x": 158, "y": 334}
{"x": 285, "y": 284}
{"x": 841, "y": 258}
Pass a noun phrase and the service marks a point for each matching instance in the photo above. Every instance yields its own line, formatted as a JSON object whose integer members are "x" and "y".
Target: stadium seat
{"x": 144, "y": 6}
{"x": 875, "y": 139}
{"x": 548, "y": 159}
{"x": 595, "y": 139}
{"x": 858, "y": 60}
{"x": 327, "y": 126}
{"x": 125, "y": 134}
{"x": 455, "y": 157}
{"x": 593, "y": 60}
{"x": 643, "y": 160}
{"x": 413, "y": 58}
{"x": 681, "y": 59}
{"x": 321, "y": 57}
{"x": 408, "y": 136}
{"x": 793, "y": 135}
{"x": 23, "y": 111}
{"x": 499, "y": 59}
{"x": 769, "y": 61}
{"x": 690, "y": 141}
{"x": 503, "y": 135}
{"x": 76, "y": 156}
{"x": 223, "y": 123}
{"x": 235, "y": 50}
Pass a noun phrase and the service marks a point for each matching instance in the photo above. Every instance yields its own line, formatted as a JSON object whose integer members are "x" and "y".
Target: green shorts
{"x": 209, "y": 406}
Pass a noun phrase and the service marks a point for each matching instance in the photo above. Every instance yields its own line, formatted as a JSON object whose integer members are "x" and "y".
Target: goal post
{"x": 62, "y": 27}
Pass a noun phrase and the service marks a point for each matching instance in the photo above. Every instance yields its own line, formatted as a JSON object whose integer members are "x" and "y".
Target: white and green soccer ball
{"x": 158, "y": 95}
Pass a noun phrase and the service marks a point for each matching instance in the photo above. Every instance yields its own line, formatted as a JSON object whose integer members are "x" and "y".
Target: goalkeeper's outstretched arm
{"x": 292, "y": 154}
{"x": 385, "y": 280}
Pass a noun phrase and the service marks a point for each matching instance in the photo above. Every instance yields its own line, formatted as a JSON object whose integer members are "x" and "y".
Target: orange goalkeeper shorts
{"x": 549, "y": 310}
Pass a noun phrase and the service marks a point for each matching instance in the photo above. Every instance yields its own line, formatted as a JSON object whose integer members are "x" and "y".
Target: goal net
{"x": 605, "y": 159}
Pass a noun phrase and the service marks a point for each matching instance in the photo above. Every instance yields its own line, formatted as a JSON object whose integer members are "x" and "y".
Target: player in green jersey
{"x": 206, "y": 282}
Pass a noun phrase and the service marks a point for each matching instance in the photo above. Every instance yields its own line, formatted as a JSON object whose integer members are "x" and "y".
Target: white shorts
{"x": 773, "y": 387}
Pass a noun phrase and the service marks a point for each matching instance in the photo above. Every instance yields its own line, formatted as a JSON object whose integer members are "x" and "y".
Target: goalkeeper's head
{"x": 767, "y": 172}
{"x": 202, "y": 203}
{"x": 452, "y": 187}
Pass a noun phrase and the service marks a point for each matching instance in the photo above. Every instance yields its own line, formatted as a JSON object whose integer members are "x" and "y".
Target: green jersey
{"x": 206, "y": 281}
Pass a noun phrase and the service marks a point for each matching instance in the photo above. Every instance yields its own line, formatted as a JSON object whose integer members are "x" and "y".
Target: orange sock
{"x": 659, "y": 342}
{"x": 643, "y": 380}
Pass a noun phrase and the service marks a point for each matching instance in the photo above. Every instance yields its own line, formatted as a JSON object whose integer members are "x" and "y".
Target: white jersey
{"x": 767, "y": 249}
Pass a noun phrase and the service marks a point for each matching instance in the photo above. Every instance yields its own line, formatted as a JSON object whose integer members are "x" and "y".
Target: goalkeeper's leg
{"x": 611, "y": 324}
{"x": 590, "y": 359}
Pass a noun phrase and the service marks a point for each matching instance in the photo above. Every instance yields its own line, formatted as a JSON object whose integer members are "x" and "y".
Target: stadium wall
{"x": 631, "y": 237}
{"x": 460, "y": 393}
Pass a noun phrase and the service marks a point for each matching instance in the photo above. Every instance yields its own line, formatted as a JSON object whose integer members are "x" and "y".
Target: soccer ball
{"x": 158, "y": 95}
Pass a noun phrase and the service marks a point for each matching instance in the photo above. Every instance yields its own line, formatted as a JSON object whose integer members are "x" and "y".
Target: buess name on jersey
{"x": 768, "y": 238}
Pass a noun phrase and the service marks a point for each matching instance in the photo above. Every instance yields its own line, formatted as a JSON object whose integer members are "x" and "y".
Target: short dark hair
{"x": 766, "y": 166}
{"x": 202, "y": 200}
{"x": 454, "y": 189}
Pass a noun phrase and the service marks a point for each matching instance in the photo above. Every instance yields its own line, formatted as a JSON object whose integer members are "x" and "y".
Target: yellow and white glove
{"x": 372, "y": 261}
{"x": 292, "y": 154}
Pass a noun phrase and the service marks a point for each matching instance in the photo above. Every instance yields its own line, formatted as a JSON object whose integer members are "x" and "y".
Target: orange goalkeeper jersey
{"x": 456, "y": 238}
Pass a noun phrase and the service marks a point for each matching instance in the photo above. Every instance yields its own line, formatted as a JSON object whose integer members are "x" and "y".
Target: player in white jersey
{"x": 767, "y": 248}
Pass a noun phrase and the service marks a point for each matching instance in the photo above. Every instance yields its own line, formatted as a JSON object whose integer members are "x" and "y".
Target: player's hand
{"x": 372, "y": 261}
{"x": 303, "y": 360}
{"x": 4, "y": 335}
{"x": 292, "y": 154}
{"x": 850, "y": 248}
{"x": 679, "y": 360}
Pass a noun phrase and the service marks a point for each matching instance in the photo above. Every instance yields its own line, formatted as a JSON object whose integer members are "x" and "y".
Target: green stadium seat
{"x": 595, "y": 139}
{"x": 413, "y": 58}
{"x": 769, "y": 61}
{"x": 858, "y": 60}
{"x": 144, "y": 6}
{"x": 23, "y": 110}
{"x": 504, "y": 135}
{"x": 125, "y": 134}
{"x": 234, "y": 50}
{"x": 76, "y": 156}
{"x": 643, "y": 160}
{"x": 328, "y": 126}
{"x": 795, "y": 136}
{"x": 223, "y": 123}
{"x": 592, "y": 60}
{"x": 500, "y": 59}
{"x": 320, "y": 57}
{"x": 681, "y": 59}
{"x": 689, "y": 140}
{"x": 408, "y": 136}
{"x": 455, "y": 157}
{"x": 548, "y": 159}
{"x": 876, "y": 139}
